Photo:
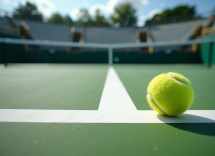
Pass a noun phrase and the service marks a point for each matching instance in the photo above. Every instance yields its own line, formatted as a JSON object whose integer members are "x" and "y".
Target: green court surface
{"x": 107, "y": 139}
{"x": 137, "y": 77}
{"x": 64, "y": 87}
{"x": 80, "y": 87}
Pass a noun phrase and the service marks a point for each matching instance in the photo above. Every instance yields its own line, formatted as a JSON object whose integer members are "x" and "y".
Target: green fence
{"x": 205, "y": 51}
{"x": 64, "y": 57}
{"x": 3, "y": 35}
{"x": 16, "y": 54}
{"x": 13, "y": 51}
{"x": 159, "y": 57}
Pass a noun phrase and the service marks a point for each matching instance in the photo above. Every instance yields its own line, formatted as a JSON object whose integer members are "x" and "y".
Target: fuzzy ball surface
{"x": 170, "y": 94}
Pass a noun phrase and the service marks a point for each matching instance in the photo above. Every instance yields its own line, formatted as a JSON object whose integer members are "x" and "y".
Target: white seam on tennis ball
{"x": 178, "y": 80}
{"x": 157, "y": 104}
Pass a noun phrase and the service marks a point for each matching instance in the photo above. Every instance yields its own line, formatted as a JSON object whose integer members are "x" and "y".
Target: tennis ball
{"x": 170, "y": 94}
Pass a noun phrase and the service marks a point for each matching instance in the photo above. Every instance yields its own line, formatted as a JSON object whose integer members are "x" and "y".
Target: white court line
{"x": 115, "y": 107}
{"x": 114, "y": 95}
{"x": 87, "y": 116}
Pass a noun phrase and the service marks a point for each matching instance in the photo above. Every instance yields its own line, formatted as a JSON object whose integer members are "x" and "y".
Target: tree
{"x": 56, "y": 18}
{"x": 179, "y": 13}
{"x": 124, "y": 15}
{"x": 99, "y": 19}
{"x": 59, "y": 19}
{"x": 84, "y": 18}
{"x": 68, "y": 20}
{"x": 28, "y": 11}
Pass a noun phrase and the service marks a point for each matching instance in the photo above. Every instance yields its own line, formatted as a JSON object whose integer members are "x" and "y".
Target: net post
{"x": 210, "y": 54}
{"x": 110, "y": 56}
{"x": 4, "y": 54}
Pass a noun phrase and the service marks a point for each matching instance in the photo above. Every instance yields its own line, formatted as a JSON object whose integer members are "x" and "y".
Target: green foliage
{"x": 59, "y": 19}
{"x": 179, "y": 13}
{"x": 124, "y": 15}
{"x": 28, "y": 11}
{"x": 99, "y": 19}
{"x": 85, "y": 19}
{"x": 56, "y": 18}
{"x": 68, "y": 20}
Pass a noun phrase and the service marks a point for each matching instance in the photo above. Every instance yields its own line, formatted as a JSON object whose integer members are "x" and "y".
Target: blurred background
{"x": 107, "y": 21}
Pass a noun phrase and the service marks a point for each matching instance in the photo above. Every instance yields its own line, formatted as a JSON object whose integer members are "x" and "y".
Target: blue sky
{"x": 145, "y": 8}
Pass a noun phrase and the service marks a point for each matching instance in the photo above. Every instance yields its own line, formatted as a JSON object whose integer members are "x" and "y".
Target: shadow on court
{"x": 194, "y": 123}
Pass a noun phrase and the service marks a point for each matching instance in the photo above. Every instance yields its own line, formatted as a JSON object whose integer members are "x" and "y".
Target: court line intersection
{"x": 115, "y": 106}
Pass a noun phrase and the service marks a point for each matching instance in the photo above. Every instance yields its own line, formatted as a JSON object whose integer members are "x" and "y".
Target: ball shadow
{"x": 191, "y": 123}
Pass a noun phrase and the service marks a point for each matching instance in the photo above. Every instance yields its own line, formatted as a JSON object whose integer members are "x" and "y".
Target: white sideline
{"x": 114, "y": 95}
{"x": 87, "y": 116}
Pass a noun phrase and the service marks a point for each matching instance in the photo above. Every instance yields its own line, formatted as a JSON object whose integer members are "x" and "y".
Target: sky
{"x": 145, "y": 8}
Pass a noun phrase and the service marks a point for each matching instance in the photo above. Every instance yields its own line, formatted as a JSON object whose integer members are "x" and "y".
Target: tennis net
{"x": 37, "y": 51}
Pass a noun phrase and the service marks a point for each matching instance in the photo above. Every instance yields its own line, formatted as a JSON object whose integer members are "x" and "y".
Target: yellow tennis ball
{"x": 170, "y": 94}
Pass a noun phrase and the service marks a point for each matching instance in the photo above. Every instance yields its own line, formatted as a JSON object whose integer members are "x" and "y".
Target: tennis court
{"x": 95, "y": 109}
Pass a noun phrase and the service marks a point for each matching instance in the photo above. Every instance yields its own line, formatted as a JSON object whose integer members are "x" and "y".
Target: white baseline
{"x": 86, "y": 116}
